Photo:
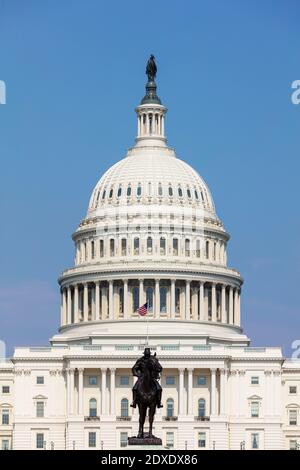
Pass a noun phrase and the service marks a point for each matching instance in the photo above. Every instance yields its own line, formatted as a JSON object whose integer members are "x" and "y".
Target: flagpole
{"x": 147, "y": 331}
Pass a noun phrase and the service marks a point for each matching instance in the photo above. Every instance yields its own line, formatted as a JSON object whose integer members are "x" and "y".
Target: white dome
{"x": 151, "y": 175}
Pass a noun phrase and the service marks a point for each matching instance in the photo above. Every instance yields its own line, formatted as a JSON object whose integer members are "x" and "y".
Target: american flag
{"x": 143, "y": 310}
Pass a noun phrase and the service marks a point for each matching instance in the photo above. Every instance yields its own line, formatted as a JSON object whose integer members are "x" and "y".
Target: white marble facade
{"x": 152, "y": 234}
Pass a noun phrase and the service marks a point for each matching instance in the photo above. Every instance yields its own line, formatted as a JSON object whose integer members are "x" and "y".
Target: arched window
{"x": 98, "y": 196}
{"x": 202, "y": 197}
{"x": 111, "y": 193}
{"x": 119, "y": 191}
{"x": 139, "y": 190}
{"x": 101, "y": 248}
{"x": 103, "y": 194}
{"x": 136, "y": 246}
{"x": 149, "y": 245}
{"x": 124, "y": 408}
{"x": 187, "y": 247}
{"x": 163, "y": 299}
{"x": 170, "y": 191}
{"x": 188, "y": 192}
{"x": 198, "y": 245}
{"x": 162, "y": 244}
{"x": 201, "y": 408}
{"x": 160, "y": 190}
{"x": 92, "y": 249}
{"x": 215, "y": 251}
{"x": 112, "y": 247}
{"x": 123, "y": 246}
{"x": 93, "y": 407}
{"x": 179, "y": 191}
{"x": 170, "y": 407}
{"x": 149, "y": 298}
{"x": 149, "y": 189}
{"x": 207, "y": 249}
{"x": 129, "y": 191}
{"x": 135, "y": 299}
{"x": 196, "y": 194}
{"x": 175, "y": 246}
{"x": 85, "y": 251}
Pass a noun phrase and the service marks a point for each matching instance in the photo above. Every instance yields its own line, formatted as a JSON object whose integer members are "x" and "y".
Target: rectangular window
{"x": 123, "y": 246}
{"x": 40, "y": 380}
{"x": 201, "y": 380}
{"x": 293, "y": 417}
{"x": 255, "y": 440}
{"x": 92, "y": 439}
{"x": 201, "y": 439}
{"x": 162, "y": 244}
{"x": 5, "y": 444}
{"x": 5, "y": 389}
{"x": 293, "y": 389}
{"x": 124, "y": 380}
{"x": 175, "y": 246}
{"x": 101, "y": 248}
{"x": 136, "y": 246}
{"x": 170, "y": 380}
{"x": 254, "y": 409}
{"x": 170, "y": 440}
{"x": 40, "y": 409}
{"x": 293, "y": 444}
{"x": 255, "y": 380}
{"x": 123, "y": 439}
{"x": 92, "y": 380}
{"x": 40, "y": 440}
{"x": 5, "y": 417}
{"x": 112, "y": 247}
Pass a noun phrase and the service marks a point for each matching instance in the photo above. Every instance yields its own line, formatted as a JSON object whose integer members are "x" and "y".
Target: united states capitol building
{"x": 151, "y": 234}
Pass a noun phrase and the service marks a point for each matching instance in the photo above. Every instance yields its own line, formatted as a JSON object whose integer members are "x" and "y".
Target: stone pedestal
{"x": 145, "y": 442}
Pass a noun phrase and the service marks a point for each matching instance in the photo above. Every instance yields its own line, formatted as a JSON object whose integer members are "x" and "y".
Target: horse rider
{"x": 138, "y": 371}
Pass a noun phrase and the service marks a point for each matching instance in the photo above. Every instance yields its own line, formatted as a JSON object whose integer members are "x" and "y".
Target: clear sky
{"x": 74, "y": 71}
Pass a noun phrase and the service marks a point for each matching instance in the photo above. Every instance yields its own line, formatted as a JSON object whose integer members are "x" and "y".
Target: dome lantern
{"x": 151, "y": 113}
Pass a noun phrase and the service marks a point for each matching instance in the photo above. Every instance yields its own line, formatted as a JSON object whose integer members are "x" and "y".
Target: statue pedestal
{"x": 145, "y": 443}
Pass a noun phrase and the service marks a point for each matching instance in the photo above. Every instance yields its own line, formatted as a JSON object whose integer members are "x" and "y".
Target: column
{"x": 112, "y": 390}
{"x": 147, "y": 124}
{"x": 80, "y": 391}
{"x": 103, "y": 391}
{"x": 187, "y": 299}
{"x": 76, "y": 304}
{"x": 223, "y": 304}
{"x": 97, "y": 301}
{"x": 157, "y": 299}
{"x": 141, "y": 292}
{"x": 69, "y": 306}
{"x": 70, "y": 391}
{"x": 231, "y": 305}
{"x": 212, "y": 391}
{"x": 195, "y": 303}
{"x": 213, "y": 303}
{"x": 181, "y": 389}
{"x": 234, "y": 305}
{"x": 163, "y": 126}
{"x": 238, "y": 309}
{"x": 173, "y": 298}
{"x": 201, "y": 300}
{"x": 85, "y": 302}
{"x": 64, "y": 307}
{"x": 222, "y": 391}
{"x": 190, "y": 391}
{"x": 104, "y": 304}
{"x": 125, "y": 296}
{"x": 268, "y": 393}
{"x": 111, "y": 299}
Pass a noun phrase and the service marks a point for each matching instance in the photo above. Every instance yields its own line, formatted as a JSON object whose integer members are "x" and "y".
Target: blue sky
{"x": 74, "y": 71}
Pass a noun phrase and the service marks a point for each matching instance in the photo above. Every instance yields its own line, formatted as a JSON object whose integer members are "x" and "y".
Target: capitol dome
{"x": 151, "y": 236}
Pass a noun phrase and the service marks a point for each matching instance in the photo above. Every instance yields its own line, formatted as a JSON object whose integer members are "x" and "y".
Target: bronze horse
{"x": 147, "y": 391}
